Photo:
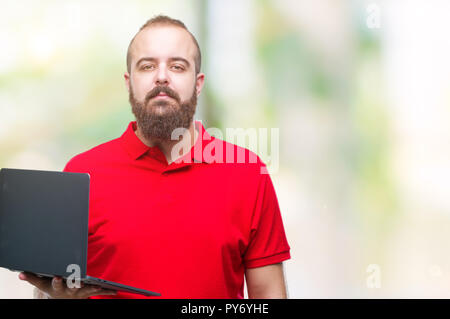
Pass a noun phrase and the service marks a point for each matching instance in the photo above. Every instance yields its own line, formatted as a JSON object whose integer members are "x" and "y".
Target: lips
{"x": 161, "y": 95}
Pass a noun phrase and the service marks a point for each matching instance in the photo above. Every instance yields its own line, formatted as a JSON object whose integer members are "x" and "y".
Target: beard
{"x": 157, "y": 119}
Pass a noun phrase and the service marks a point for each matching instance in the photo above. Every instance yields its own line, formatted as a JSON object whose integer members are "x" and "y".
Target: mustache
{"x": 162, "y": 89}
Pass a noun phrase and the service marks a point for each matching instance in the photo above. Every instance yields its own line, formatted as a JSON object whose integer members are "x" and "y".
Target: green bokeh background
{"x": 315, "y": 71}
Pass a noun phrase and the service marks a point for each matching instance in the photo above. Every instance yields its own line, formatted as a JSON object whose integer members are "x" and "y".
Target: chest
{"x": 184, "y": 215}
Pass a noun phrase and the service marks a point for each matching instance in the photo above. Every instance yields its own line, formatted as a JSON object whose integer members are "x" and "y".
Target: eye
{"x": 178, "y": 67}
{"x": 147, "y": 67}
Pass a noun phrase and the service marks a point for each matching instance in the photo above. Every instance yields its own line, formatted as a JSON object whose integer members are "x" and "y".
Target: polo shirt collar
{"x": 132, "y": 144}
{"x": 136, "y": 148}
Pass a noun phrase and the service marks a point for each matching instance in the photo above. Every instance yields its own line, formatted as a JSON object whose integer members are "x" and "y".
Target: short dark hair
{"x": 165, "y": 20}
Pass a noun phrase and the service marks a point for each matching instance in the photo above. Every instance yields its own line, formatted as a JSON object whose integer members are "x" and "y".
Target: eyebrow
{"x": 177, "y": 58}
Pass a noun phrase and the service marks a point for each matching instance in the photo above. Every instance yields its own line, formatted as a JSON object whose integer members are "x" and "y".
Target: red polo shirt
{"x": 185, "y": 230}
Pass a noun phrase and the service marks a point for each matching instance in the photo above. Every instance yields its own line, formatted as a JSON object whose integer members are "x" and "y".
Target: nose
{"x": 161, "y": 77}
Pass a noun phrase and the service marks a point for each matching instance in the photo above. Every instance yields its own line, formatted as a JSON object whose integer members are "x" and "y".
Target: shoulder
{"x": 85, "y": 161}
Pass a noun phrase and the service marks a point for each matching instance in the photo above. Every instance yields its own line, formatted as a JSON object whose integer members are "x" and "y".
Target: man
{"x": 175, "y": 215}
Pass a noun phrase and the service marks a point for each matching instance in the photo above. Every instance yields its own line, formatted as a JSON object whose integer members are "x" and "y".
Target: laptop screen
{"x": 43, "y": 221}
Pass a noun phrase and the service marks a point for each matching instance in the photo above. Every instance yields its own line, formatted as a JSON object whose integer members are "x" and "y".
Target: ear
{"x": 127, "y": 80}
{"x": 199, "y": 83}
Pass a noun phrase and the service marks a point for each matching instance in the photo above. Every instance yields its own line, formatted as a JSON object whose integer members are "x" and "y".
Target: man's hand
{"x": 56, "y": 288}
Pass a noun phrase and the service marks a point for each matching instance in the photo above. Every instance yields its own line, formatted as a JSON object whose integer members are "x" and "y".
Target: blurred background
{"x": 360, "y": 92}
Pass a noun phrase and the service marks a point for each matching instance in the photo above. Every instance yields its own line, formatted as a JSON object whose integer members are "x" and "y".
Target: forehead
{"x": 163, "y": 42}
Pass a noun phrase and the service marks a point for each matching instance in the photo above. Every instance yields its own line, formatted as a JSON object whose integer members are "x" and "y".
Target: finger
{"x": 88, "y": 291}
{"x": 97, "y": 291}
{"x": 107, "y": 292}
{"x": 73, "y": 290}
{"x": 39, "y": 282}
{"x": 74, "y": 285}
{"x": 57, "y": 284}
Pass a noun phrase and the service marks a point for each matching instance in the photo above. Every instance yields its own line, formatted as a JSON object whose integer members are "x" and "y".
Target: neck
{"x": 187, "y": 141}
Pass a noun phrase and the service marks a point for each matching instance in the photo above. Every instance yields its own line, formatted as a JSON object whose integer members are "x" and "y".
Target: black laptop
{"x": 44, "y": 225}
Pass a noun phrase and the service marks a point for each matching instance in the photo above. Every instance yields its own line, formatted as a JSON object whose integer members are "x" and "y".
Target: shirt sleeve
{"x": 70, "y": 166}
{"x": 268, "y": 244}
{"x": 67, "y": 167}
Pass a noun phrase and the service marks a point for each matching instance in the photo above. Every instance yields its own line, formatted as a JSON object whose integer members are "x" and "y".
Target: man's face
{"x": 163, "y": 86}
